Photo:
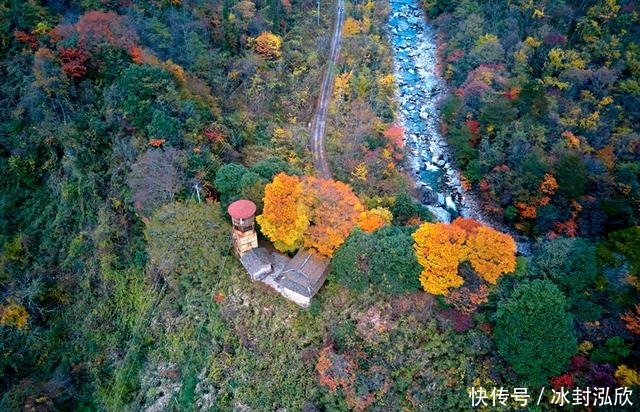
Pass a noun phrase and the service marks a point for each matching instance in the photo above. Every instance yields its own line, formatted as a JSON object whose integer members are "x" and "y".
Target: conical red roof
{"x": 242, "y": 209}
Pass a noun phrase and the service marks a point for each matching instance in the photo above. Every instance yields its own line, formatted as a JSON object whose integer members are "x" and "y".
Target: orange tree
{"x": 374, "y": 219}
{"x": 335, "y": 210}
{"x": 632, "y": 320}
{"x": 441, "y": 247}
{"x": 315, "y": 213}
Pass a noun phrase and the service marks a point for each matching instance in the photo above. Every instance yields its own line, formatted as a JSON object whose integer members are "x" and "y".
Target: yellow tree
{"x": 491, "y": 253}
{"x": 341, "y": 86}
{"x": 374, "y": 219}
{"x": 351, "y": 27}
{"x": 268, "y": 45}
{"x": 440, "y": 248}
{"x": 285, "y": 216}
{"x": 13, "y": 314}
{"x": 315, "y": 213}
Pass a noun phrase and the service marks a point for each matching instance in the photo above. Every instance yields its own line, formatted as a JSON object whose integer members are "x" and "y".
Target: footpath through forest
{"x": 319, "y": 121}
{"x": 420, "y": 89}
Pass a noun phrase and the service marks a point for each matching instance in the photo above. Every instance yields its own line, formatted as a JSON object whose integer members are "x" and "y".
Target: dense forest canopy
{"x": 127, "y": 128}
{"x": 543, "y": 112}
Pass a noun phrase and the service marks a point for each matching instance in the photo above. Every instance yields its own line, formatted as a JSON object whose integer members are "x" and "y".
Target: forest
{"x": 128, "y": 127}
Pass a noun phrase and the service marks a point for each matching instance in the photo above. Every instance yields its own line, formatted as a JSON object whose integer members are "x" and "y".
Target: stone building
{"x": 297, "y": 279}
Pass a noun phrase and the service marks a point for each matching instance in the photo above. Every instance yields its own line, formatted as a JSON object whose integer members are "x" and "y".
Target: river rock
{"x": 431, "y": 167}
{"x": 427, "y": 195}
{"x": 440, "y": 214}
{"x": 450, "y": 204}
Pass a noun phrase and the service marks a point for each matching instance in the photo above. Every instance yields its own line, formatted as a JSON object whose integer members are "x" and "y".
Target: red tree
{"x": 335, "y": 370}
{"x": 26, "y": 38}
{"x": 73, "y": 61}
{"x": 95, "y": 27}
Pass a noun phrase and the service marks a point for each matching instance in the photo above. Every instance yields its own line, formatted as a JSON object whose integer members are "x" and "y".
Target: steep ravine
{"x": 420, "y": 89}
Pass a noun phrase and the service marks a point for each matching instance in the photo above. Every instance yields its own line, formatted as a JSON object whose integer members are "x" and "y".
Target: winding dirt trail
{"x": 319, "y": 121}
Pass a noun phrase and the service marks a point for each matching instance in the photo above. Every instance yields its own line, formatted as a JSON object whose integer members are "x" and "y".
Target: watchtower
{"x": 244, "y": 235}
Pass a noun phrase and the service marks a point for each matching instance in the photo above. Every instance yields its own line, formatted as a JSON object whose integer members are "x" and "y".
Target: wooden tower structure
{"x": 244, "y": 235}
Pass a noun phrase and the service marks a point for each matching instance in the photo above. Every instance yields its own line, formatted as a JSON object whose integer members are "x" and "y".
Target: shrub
{"x": 383, "y": 259}
{"x": 534, "y": 332}
{"x": 187, "y": 243}
{"x": 404, "y": 209}
{"x": 571, "y": 264}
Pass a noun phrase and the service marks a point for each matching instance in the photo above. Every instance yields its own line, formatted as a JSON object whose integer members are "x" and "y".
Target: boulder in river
{"x": 427, "y": 195}
{"x": 450, "y": 204}
{"x": 440, "y": 214}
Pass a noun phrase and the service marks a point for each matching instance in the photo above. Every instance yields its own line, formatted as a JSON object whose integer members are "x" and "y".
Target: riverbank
{"x": 420, "y": 89}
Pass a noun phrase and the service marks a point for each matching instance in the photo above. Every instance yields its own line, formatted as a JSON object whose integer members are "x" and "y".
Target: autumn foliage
{"x": 441, "y": 247}
{"x": 311, "y": 212}
{"x": 351, "y": 27}
{"x": 95, "y": 27}
{"x": 13, "y": 314}
{"x": 73, "y": 61}
{"x": 341, "y": 371}
{"x": 632, "y": 320}
{"x": 26, "y": 38}
{"x": 214, "y": 133}
{"x": 334, "y": 211}
{"x": 156, "y": 142}
{"x": 627, "y": 376}
{"x": 562, "y": 381}
{"x": 268, "y": 45}
{"x": 285, "y": 217}
{"x": 335, "y": 370}
{"x": 491, "y": 253}
{"x": 549, "y": 185}
{"x": 374, "y": 219}
{"x": 466, "y": 301}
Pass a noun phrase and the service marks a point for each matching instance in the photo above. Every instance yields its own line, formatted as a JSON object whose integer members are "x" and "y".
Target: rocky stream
{"x": 419, "y": 92}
